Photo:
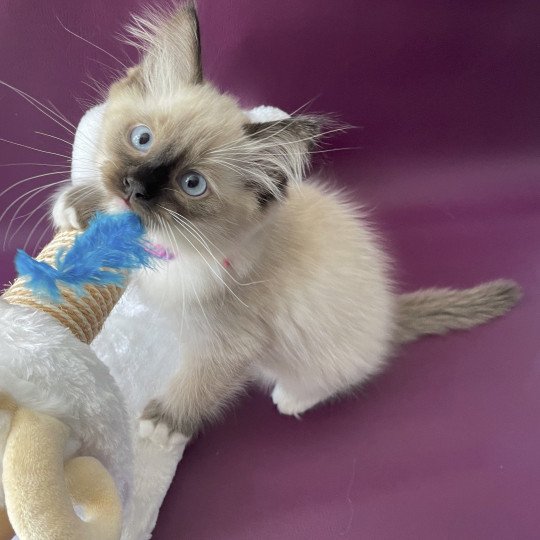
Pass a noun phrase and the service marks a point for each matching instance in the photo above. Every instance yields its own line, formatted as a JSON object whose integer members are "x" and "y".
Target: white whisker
{"x": 36, "y": 149}
{"x": 210, "y": 266}
{"x": 35, "y": 164}
{"x": 37, "y": 224}
{"x": 39, "y": 240}
{"x": 92, "y": 44}
{"x": 196, "y": 235}
{"x": 29, "y": 196}
{"x": 42, "y": 108}
{"x": 203, "y": 239}
{"x": 174, "y": 244}
{"x": 70, "y": 144}
{"x": 35, "y": 177}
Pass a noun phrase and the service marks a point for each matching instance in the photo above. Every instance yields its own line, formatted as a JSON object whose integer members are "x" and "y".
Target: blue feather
{"x": 111, "y": 246}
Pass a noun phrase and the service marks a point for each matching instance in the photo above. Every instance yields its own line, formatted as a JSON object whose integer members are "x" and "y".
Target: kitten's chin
{"x": 116, "y": 205}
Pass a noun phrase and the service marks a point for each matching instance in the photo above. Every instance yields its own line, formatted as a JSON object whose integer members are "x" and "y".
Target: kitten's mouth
{"x": 120, "y": 203}
{"x": 135, "y": 205}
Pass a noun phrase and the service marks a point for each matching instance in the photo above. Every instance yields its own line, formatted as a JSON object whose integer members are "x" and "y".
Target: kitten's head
{"x": 184, "y": 156}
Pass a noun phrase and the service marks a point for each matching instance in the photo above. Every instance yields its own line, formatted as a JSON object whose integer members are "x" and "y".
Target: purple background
{"x": 446, "y": 95}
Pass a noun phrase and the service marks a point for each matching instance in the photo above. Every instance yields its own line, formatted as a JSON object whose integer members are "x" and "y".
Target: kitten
{"x": 271, "y": 278}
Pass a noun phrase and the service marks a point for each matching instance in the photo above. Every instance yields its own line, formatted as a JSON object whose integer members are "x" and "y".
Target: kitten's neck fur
{"x": 238, "y": 257}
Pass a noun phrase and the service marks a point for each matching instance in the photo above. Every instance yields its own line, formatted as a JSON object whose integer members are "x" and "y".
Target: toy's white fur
{"x": 142, "y": 361}
{"x": 84, "y": 163}
{"x": 45, "y": 368}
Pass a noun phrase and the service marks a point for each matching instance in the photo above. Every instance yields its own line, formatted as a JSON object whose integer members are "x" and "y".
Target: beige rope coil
{"x": 83, "y": 316}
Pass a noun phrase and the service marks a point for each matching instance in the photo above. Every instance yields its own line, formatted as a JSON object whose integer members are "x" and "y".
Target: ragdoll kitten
{"x": 271, "y": 278}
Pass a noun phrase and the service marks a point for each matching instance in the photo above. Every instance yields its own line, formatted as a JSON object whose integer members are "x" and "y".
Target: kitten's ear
{"x": 279, "y": 153}
{"x": 303, "y": 130}
{"x": 169, "y": 42}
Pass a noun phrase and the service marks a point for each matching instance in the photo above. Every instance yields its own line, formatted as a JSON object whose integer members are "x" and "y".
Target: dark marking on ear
{"x": 287, "y": 143}
{"x": 169, "y": 41}
{"x": 198, "y": 75}
{"x": 282, "y": 184}
{"x": 264, "y": 196}
{"x": 304, "y": 129}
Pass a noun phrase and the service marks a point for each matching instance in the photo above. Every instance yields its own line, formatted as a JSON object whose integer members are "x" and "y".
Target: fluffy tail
{"x": 438, "y": 311}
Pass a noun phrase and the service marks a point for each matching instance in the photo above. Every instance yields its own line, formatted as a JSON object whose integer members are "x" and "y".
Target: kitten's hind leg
{"x": 294, "y": 397}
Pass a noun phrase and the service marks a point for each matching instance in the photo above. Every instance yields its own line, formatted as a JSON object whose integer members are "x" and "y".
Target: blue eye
{"x": 141, "y": 138}
{"x": 193, "y": 183}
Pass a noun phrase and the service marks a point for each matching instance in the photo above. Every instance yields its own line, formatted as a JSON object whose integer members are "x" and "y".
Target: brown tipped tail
{"x": 438, "y": 311}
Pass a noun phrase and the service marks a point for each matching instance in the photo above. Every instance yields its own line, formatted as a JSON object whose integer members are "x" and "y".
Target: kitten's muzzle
{"x": 134, "y": 189}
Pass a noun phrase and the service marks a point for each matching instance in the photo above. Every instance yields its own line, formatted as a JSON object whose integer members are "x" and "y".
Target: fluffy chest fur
{"x": 311, "y": 281}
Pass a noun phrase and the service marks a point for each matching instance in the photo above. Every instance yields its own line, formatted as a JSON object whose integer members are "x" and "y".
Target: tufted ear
{"x": 279, "y": 153}
{"x": 303, "y": 130}
{"x": 169, "y": 42}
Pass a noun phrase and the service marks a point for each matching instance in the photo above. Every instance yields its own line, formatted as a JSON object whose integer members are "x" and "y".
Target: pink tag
{"x": 160, "y": 252}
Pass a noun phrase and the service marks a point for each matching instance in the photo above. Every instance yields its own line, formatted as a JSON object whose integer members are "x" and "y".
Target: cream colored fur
{"x": 40, "y": 489}
{"x": 303, "y": 325}
{"x": 275, "y": 279}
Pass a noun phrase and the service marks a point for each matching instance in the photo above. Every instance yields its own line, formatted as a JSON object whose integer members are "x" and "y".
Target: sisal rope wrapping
{"x": 83, "y": 316}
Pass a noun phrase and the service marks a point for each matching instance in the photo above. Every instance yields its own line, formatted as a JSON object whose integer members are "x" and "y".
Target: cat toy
{"x": 65, "y": 435}
{"x": 91, "y": 395}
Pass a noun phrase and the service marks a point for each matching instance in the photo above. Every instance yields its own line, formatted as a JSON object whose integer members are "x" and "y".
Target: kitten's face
{"x": 183, "y": 156}
{"x": 175, "y": 159}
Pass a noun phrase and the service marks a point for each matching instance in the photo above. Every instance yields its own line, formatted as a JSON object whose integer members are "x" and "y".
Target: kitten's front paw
{"x": 161, "y": 435}
{"x": 76, "y": 205}
{"x": 156, "y": 425}
{"x": 64, "y": 214}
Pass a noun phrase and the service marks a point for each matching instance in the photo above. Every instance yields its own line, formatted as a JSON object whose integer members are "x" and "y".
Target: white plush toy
{"x": 141, "y": 360}
{"x": 98, "y": 392}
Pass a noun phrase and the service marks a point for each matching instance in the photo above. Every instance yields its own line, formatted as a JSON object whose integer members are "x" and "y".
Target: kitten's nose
{"x": 134, "y": 189}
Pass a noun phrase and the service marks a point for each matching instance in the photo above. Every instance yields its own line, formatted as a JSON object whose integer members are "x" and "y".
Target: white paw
{"x": 161, "y": 435}
{"x": 64, "y": 217}
{"x": 289, "y": 404}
